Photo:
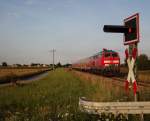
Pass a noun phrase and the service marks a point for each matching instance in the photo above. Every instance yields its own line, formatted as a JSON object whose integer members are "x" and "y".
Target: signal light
{"x": 130, "y": 29}
{"x": 132, "y": 23}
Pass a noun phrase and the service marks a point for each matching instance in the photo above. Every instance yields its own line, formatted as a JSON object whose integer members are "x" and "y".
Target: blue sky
{"x": 30, "y": 28}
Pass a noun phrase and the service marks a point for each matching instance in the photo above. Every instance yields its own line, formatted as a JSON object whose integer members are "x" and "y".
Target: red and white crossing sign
{"x": 131, "y": 76}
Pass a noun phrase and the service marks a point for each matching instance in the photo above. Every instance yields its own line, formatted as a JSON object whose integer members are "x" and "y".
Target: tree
{"x": 58, "y": 65}
{"x": 143, "y": 62}
{"x": 18, "y": 65}
{"x": 67, "y": 65}
{"x": 4, "y": 64}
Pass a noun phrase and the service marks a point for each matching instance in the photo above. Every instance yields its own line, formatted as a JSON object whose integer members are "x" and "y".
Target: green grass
{"x": 55, "y": 97}
{"x": 104, "y": 89}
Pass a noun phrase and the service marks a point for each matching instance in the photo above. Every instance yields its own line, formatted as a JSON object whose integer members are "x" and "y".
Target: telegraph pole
{"x": 53, "y": 52}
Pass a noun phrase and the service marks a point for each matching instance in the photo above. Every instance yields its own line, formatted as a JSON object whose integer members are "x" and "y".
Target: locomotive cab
{"x": 111, "y": 61}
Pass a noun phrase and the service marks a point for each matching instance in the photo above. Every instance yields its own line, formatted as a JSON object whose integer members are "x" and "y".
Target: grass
{"x": 142, "y": 75}
{"x": 55, "y": 97}
{"x": 104, "y": 89}
{"x": 107, "y": 89}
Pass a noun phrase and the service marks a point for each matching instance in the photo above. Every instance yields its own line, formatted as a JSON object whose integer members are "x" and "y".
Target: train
{"x": 104, "y": 62}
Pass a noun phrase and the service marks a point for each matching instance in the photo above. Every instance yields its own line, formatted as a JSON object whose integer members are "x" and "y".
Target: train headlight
{"x": 116, "y": 61}
{"x": 106, "y": 64}
{"x": 107, "y": 61}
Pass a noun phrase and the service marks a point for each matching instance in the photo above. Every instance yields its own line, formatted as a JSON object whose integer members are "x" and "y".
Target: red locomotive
{"x": 106, "y": 61}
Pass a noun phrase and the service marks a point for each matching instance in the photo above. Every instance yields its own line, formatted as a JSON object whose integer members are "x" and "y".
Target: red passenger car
{"x": 104, "y": 62}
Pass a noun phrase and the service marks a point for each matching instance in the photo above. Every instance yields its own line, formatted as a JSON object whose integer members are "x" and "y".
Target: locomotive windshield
{"x": 107, "y": 55}
{"x": 111, "y": 55}
{"x": 114, "y": 55}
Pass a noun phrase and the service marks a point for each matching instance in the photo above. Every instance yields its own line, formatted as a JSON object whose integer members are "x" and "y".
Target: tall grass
{"x": 55, "y": 97}
{"x": 52, "y": 98}
{"x": 104, "y": 89}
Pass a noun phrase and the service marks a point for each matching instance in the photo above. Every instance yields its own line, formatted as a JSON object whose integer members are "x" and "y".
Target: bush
{"x": 4, "y": 64}
{"x": 143, "y": 62}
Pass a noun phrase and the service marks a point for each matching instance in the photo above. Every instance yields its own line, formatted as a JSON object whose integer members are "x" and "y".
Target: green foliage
{"x": 4, "y": 64}
{"x": 58, "y": 65}
{"x": 53, "y": 98}
{"x": 143, "y": 62}
{"x": 67, "y": 65}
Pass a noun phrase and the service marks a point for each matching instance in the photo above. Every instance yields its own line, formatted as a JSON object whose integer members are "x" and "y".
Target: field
{"x": 7, "y": 74}
{"x": 52, "y": 98}
{"x": 142, "y": 75}
{"x": 55, "y": 97}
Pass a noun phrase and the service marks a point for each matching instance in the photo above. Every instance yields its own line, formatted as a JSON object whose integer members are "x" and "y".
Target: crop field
{"x": 9, "y": 73}
{"x": 55, "y": 97}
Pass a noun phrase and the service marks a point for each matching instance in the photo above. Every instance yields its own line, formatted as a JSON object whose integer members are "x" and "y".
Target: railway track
{"x": 122, "y": 77}
{"x": 140, "y": 83}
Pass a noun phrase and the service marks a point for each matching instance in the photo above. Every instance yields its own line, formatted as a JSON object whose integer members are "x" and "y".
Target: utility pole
{"x": 53, "y": 52}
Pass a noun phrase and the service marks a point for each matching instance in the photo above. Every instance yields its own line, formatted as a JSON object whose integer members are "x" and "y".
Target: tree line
{"x": 5, "y": 64}
{"x": 143, "y": 62}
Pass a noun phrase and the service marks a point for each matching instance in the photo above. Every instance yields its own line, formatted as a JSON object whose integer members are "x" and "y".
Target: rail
{"x": 114, "y": 107}
{"x": 140, "y": 83}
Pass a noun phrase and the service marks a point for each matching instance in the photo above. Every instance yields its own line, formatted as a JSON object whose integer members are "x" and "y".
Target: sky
{"x": 30, "y": 29}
